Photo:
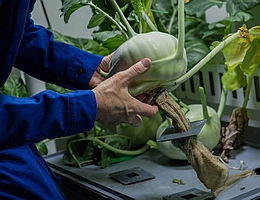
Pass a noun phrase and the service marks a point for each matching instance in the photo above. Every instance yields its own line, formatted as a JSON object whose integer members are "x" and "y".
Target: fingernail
{"x": 146, "y": 62}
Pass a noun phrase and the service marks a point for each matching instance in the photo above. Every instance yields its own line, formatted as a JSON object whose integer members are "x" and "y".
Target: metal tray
{"x": 93, "y": 180}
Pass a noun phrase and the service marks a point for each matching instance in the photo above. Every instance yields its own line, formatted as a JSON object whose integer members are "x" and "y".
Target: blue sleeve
{"x": 45, "y": 115}
{"x": 49, "y": 114}
{"x": 54, "y": 62}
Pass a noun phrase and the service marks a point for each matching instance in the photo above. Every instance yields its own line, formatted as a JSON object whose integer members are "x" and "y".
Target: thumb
{"x": 136, "y": 70}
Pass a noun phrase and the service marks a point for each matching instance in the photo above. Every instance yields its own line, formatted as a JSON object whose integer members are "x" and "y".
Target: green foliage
{"x": 109, "y": 39}
{"x": 196, "y": 26}
{"x": 242, "y": 58}
{"x": 14, "y": 86}
{"x": 82, "y": 43}
{"x": 199, "y": 7}
{"x": 42, "y": 148}
{"x": 85, "y": 149}
{"x": 70, "y": 6}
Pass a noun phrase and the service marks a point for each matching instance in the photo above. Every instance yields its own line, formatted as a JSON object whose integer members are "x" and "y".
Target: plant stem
{"x": 206, "y": 59}
{"x": 110, "y": 19}
{"x": 130, "y": 30}
{"x": 183, "y": 105}
{"x": 147, "y": 11}
{"x": 148, "y": 21}
{"x": 172, "y": 17}
{"x": 119, "y": 151}
{"x": 222, "y": 102}
{"x": 73, "y": 155}
{"x": 248, "y": 87}
{"x": 204, "y": 104}
{"x": 181, "y": 29}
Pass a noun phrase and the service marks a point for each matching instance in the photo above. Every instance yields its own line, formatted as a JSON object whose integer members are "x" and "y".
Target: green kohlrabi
{"x": 167, "y": 53}
{"x": 141, "y": 134}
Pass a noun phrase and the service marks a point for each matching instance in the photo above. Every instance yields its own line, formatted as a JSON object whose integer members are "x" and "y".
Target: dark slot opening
{"x": 257, "y": 171}
{"x": 220, "y": 75}
{"x": 201, "y": 79}
{"x": 189, "y": 196}
{"x": 256, "y": 198}
{"x": 192, "y": 84}
{"x": 234, "y": 94}
{"x": 183, "y": 87}
{"x": 257, "y": 88}
{"x": 132, "y": 174}
{"x": 211, "y": 83}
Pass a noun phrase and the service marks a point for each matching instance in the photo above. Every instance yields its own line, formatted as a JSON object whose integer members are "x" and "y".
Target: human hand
{"x": 114, "y": 103}
{"x": 104, "y": 66}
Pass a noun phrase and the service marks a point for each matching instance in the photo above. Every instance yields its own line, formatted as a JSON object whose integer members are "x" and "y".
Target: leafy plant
{"x": 14, "y": 86}
{"x": 202, "y": 161}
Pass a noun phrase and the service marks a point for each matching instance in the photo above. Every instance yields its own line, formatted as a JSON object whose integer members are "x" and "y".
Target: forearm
{"x": 45, "y": 115}
{"x": 54, "y": 62}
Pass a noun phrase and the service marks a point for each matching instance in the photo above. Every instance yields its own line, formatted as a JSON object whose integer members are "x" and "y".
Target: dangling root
{"x": 210, "y": 170}
{"x": 234, "y": 178}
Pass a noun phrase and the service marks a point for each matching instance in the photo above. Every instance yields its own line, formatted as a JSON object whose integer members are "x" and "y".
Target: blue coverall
{"x": 24, "y": 174}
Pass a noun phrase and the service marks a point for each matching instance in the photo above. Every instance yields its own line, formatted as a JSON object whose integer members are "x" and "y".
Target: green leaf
{"x": 234, "y": 6}
{"x": 240, "y": 16}
{"x": 104, "y": 35}
{"x": 199, "y": 7}
{"x": 138, "y": 6}
{"x": 178, "y": 181}
{"x": 196, "y": 50}
{"x": 70, "y": 6}
{"x": 109, "y": 39}
{"x": 96, "y": 20}
{"x": 252, "y": 57}
{"x": 14, "y": 86}
{"x": 118, "y": 142}
{"x": 42, "y": 148}
{"x": 57, "y": 88}
{"x": 234, "y": 79}
{"x": 106, "y": 158}
{"x": 113, "y": 43}
{"x": 79, "y": 151}
{"x": 236, "y": 51}
{"x": 82, "y": 43}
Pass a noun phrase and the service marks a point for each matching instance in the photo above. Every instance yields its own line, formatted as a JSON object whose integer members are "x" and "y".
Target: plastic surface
{"x": 164, "y": 170}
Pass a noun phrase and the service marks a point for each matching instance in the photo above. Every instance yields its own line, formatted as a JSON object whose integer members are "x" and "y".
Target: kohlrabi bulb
{"x": 168, "y": 64}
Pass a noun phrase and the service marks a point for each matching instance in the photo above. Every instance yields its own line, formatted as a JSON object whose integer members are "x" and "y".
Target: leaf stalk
{"x": 130, "y": 30}
{"x": 206, "y": 59}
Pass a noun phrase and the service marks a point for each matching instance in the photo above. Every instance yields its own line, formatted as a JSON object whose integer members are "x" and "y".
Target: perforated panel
{"x": 209, "y": 78}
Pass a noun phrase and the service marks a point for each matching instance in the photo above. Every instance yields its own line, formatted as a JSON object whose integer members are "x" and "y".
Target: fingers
{"x": 136, "y": 121}
{"x": 136, "y": 70}
{"x": 145, "y": 98}
{"x": 114, "y": 102}
{"x": 104, "y": 65}
{"x": 147, "y": 110}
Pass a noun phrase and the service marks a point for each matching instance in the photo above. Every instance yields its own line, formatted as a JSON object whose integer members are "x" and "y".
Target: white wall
{"x": 77, "y": 25}
{"x": 215, "y": 14}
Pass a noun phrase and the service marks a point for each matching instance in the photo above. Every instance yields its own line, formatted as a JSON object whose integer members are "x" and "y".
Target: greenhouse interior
{"x": 84, "y": 117}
